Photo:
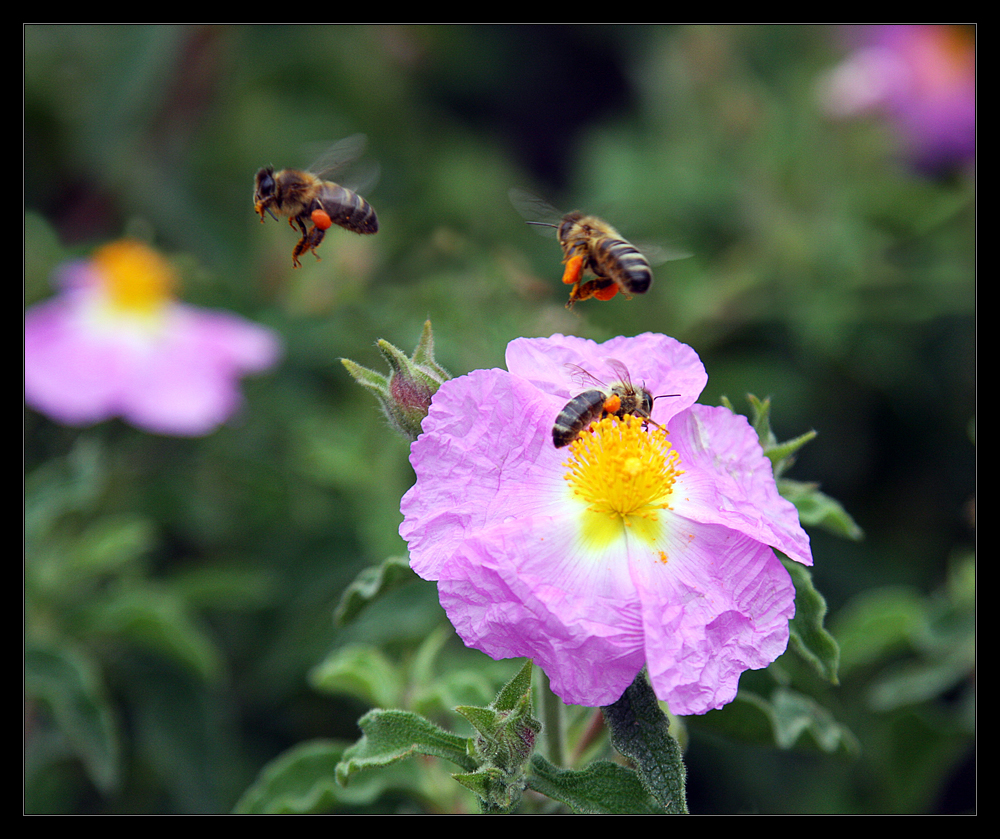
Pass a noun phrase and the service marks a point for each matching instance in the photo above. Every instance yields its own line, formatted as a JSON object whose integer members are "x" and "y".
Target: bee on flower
{"x": 649, "y": 541}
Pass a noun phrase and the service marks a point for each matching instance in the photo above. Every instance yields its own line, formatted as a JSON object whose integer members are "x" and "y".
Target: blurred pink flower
{"x": 114, "y": 342}
{"x": 629, "y": 547}
{"x": 923, "y": 76}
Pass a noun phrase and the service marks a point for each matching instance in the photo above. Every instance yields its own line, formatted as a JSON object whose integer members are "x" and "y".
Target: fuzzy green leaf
{"x": 641, "y": 732}
{"x": 362, "y": 671}
{"x": 787, "y": 719}
{"x": 602, "y": 788}
{"x": 393, "y": 735}
{"x": 809, "y": 637}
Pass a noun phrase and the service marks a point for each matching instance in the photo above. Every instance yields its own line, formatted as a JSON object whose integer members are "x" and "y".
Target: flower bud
{"x": 405, "y": 395}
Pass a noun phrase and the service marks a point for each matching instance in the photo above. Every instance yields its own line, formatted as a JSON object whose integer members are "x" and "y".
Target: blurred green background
{"x": 179, "y": 592}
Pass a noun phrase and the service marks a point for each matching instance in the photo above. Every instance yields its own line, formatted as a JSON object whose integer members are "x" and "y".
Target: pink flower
{"x": 629, "y": 547}
{"x": 923, "y": 77}
{"x": 115, "y": 343}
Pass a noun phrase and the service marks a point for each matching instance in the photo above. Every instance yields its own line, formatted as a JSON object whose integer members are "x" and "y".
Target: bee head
{"x": 264, "y": 183}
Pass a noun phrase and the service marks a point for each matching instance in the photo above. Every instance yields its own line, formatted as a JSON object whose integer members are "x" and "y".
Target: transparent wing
{"x": 543, "y": 217}
{"x": 583, "y": 378}
{"x": 658, "y": 254}
{"x": 621, "y": 371}
{"x": 342, "y": 159}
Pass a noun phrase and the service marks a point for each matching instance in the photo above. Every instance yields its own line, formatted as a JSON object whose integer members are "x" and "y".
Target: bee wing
{"x": 658, "y": 254}
{"x": 339, "y": 154}
{"x": 538, "y": 213}
{"x": 583, "y": 378}
{"x": 621, "y": 371}
{"x": 343, "y": 158}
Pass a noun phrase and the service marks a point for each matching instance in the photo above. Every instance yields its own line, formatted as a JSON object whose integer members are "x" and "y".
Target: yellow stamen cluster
{"x": 136, "y": 278}
{"x": 624, "y": 473}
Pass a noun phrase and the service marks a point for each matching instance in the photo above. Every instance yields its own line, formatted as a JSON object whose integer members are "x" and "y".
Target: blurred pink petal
{"x": 923, "y": 77}
{"x": 158, "y": 364}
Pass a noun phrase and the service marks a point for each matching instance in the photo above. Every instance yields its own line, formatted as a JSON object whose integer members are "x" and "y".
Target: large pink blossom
{"x": 114, "y": 343}
{"x": 592, "y": 566}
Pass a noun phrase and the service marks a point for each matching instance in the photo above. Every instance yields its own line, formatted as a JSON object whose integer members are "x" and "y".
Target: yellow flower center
{"x": 136, "y": 278}
{"x": 624, "y": 474}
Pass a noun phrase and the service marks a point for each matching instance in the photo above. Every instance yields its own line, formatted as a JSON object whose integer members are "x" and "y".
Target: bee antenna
{"x": 541, "y": 223}
{"x": 665, "y": 396}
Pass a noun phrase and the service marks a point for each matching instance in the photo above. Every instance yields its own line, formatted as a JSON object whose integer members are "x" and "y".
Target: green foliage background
{"x": 179, "y": 592}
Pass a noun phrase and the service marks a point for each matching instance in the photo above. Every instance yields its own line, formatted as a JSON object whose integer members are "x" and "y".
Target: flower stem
{"x": 552, "y": 722}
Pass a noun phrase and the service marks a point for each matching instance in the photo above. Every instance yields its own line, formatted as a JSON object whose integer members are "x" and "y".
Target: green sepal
{"x": 507, "y": 730}
{"x": 497, "y": 794}
{"x": 641, "y": 731}
{"x": 513, "y": 693}
{"x": 781, "y": 455}
{"x": 808, "y": 636}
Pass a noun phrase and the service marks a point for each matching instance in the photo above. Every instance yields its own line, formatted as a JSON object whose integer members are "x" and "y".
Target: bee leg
{"x": 574, "y": 270}
{"x": 606, "y": 293}
{"x": 309, "y": 242}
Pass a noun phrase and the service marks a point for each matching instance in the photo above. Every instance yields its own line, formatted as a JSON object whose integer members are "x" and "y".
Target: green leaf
{"x": 155, "y": 617}
{"x": 393, "y": 735}
{"x": 878, "y": 623}
{"x": 372, "y": 583}
{"x": 641, "y": 732}
{"x": 602, "y": 788}
{"x": 788, "y": 720}
{"x": 362, "y": 671}
{"x": 110, "y": 544}
{"x": 71, "y": 686}
{"x": 808, "y": 636}
{"x": 820, "y": 510}
{"x": 303, "y": 780}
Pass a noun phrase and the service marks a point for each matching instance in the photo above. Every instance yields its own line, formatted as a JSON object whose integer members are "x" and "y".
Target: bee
{"x": 590, "y": 245}
{"x": 619, "y": 399}
{"x": 305, "y": 199}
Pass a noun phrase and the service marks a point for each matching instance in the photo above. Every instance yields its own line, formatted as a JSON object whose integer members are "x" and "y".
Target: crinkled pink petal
{"x": 720, "y": 605}
{"x": 731, "y": 480}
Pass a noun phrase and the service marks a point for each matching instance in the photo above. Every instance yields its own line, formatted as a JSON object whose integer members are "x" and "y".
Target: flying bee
{"x": 619, "y": 399}
{"x": 305, "y": 198}
{"x": 590, "y": 246}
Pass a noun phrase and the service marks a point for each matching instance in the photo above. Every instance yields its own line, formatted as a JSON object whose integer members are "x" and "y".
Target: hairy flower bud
{"x": 405, "y": 394}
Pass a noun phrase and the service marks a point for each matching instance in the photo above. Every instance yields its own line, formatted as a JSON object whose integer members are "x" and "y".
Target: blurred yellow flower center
{"x": 136, "y": 278}
{"x": 624, "y": 474}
